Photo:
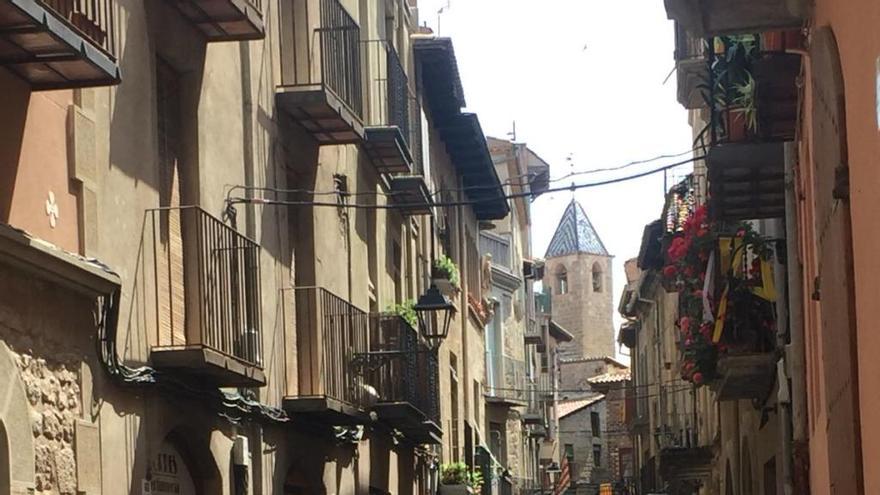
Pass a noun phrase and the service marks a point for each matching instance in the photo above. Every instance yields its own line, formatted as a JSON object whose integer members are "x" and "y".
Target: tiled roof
{"x": 611, "y": 377}
{"x": 607, "y": 359}
{"x": 575, "y": 234}
{"x": 567, "y": 407}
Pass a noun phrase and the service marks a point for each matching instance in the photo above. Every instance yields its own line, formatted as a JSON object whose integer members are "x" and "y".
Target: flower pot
{"x": 455, "y": 490}
{"x": 779, "y": 41}
{"x": 737, "y": 126}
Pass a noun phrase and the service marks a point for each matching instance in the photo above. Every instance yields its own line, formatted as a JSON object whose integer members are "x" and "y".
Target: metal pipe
{"x": 795, "y": 414}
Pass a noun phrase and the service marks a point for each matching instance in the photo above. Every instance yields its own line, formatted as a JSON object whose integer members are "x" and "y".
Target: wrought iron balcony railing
{"x": 206, "y": 278}
{"x": 94, "y": 19}
{"x": 321, "y": 71}
{"x": 330, "y": 333}
{"x": 411, "y": 374}
{"x": 392, "y": 133}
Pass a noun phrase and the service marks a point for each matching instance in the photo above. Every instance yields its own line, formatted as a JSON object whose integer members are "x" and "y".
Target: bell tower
{"x": 577, "y": 275}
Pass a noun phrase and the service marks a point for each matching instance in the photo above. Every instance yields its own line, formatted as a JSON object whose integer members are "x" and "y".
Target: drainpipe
{"x": 793, "y": 415}
{"x": 462, "y": 256}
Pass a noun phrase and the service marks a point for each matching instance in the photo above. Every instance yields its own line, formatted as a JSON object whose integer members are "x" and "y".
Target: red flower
{"x": 741, "y": 232}
{"x": 689, "y": 271}
{"x": 702, "y": 232}
{"x": 684, "y": 323}
{"x": 670, "y": 271}
{"x": 698, "y": 378}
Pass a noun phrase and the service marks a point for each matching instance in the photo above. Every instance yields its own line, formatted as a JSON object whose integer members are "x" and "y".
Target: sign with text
{"x": 170, "y": 476}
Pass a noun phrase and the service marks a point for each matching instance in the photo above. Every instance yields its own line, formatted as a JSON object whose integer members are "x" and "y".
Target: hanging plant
{"x": 444, "y": 268}
{"x": 740, "y": 316}
{"x": 406, "y": 311}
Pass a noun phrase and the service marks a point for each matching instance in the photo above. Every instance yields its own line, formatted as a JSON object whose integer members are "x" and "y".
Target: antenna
{"x": 570, "y": 160}
{"x": 441, "y": 11}
{"x": 512, "y": 133}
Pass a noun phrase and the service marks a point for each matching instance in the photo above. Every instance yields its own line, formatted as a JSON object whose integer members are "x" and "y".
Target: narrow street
{"x": 439, "y": 247}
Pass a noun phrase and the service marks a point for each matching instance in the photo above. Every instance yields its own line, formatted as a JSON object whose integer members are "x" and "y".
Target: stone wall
{"x": 584, "y": 312}
{"x": 576, "y": 430}
{"x": 48, "y": 332}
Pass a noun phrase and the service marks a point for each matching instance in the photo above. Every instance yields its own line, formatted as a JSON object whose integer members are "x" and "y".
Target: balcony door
{"x": 170, "y": 266}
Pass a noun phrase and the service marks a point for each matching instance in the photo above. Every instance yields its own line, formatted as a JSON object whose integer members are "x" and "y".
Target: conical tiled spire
{"x": 575, "y": 234}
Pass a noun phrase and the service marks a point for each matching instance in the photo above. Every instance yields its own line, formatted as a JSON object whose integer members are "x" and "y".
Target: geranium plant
{"x": 735, "y": 318}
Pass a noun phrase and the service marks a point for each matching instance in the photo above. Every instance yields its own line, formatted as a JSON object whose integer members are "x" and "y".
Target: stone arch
{"x": 15, "y": 429}
{"x": 562, "y": 282}
{"x": 186, "y": 460}
{"x": 598, "y": 277}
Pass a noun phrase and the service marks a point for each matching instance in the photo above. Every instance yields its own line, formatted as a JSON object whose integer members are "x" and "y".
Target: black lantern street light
{"x": 435, "y": 313}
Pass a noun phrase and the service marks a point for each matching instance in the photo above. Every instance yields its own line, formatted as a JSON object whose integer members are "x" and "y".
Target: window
{"x": 597, "y": 455}
{"x": 453, "y": 398}
{"x": 595, "y": 424}
{"x": 562, "y": 280}
{"x": 597, "y": 278}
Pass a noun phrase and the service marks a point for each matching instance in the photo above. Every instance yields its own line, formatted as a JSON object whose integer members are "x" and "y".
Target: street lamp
{"x": 435, "y": 312}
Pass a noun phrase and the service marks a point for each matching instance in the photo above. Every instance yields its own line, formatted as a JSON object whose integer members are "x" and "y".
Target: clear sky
{"x": 582, "y": 79}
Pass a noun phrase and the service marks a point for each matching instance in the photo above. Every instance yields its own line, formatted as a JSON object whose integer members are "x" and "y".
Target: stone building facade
{"x": 183, "y": 223}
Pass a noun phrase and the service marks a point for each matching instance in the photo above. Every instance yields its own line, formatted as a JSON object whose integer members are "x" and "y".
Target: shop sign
{"x": 169, "y": 474}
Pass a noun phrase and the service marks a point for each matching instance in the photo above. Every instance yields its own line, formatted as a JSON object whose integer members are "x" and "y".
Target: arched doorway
{"x": 834, "y": 288}
{"x": 181, "y": 467}
{"x": 170, "y": 472}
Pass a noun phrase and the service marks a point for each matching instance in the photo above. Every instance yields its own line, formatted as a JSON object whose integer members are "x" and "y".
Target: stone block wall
{"x": 584, "y": 312}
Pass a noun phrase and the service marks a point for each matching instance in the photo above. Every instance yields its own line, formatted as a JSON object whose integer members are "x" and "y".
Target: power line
{"x": 509, "y": 182}
{"x": 236, "y": 200}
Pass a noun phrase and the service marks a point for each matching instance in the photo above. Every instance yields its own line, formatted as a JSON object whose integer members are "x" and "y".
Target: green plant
{"x": 405, "y": 310}
{"x": 457, "y": 473}
{"x": 447, "y": 268}
{"x": 747, "y": 102}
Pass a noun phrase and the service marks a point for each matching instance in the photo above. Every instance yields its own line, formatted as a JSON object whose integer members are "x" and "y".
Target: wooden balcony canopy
{"x": 225, "y": 20}
{"x": 713, "y": 17}
{"x": 462, "y": 133}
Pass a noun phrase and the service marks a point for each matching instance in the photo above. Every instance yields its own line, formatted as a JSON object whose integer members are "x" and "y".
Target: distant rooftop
{"x": 567, "y": 407}
{"x": 575, "y": 234}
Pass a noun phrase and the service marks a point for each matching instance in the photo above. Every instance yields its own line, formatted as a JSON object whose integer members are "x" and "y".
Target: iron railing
{"x": 688, "y": 47}
{"x": 411, "y": 374}
{"x": 330, "y": 333}
{"x": 546, "y": 384}
{"x": 94, "y": 19}
{"x": 415, "y": 140}
{"x": 339, "y": 36}
{"x": 207, "y": 283}
{"x": 498, "y": 247}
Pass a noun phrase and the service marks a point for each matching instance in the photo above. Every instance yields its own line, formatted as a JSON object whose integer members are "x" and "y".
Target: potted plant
{"x": 406, "y": 311}
{"x": 445, "y": 275}
{"x": 457, "y": 479}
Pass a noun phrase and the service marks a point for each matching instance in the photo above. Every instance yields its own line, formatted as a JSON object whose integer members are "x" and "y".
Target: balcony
{"x": 535, "y": 413}
{"x": 690, "y": 67}
{"x": 330, "y": 333}
{"x": 498, "y": 247}
{"x": 389, "y": 137}
{"x": 207, "y": 294}
{"x": 321, "y": 79}
{"x": 59, "y": 44}
{"x": 508, "y": 389}
{"x": 534, "y": 333}
{"x": 683, "y": 460}
{"x": 411, "y": 195}
{"x": 712, "y": 17}
{"x": 407, "y": 383}
{"x": 225, "y": 20}
{"x": 753, "y": 113}
{"x": 745, "y": 376}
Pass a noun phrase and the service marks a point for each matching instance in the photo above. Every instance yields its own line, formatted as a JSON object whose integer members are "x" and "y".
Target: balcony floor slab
{"x": 323, "y": 115}
{"x": 207, "y": 363}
